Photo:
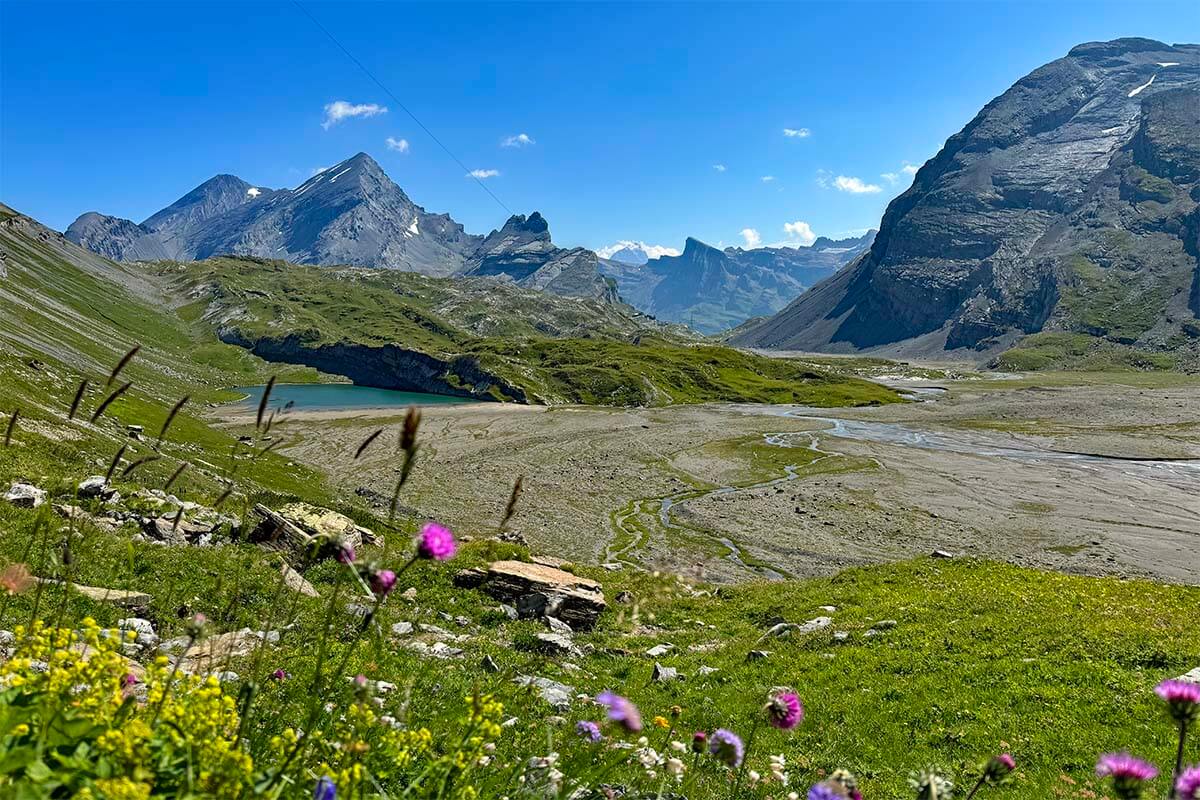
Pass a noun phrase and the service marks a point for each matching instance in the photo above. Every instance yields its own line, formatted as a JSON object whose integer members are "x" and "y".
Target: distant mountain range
{"x": 713, "y": 290}
{"x": 1069, "y": 205}
{"x": 351, "y": 214}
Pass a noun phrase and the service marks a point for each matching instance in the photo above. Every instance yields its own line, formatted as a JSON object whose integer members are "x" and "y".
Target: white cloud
{"x": 890, "y": 177}
{"x": 752, "y": 237}
{"x": 855, "y": 185}
{"x": 800, "y": 231}
{"x": 797, "y": 133}
{"x": 719, "y": 167}
{"x": 482, "y": 174}
{"x": 767, "y": 178}
{"x": 339, "y": 110}
{"x": 520, "y": 140}
{"x": 316, "y": 171}
{"x": 399, "y": 145}
{"x": 823, "y": 178}
{"x": 909, "y": 169}
{"x": 651, "y": 250}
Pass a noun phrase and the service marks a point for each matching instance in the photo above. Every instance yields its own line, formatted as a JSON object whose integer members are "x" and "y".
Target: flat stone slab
{"x": 575, "y": 600}
{"x": 119, "y": 597}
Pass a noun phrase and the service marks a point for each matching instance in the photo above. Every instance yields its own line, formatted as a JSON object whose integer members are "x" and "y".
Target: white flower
{"x": 678, "y": 746}
{"x": 793, "y": 796}
{"x": 675, "y": 768}
{"x": 753, "y": 777}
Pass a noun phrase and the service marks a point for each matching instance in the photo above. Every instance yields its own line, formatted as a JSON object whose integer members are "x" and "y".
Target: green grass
{"x": 1079, "y": 351}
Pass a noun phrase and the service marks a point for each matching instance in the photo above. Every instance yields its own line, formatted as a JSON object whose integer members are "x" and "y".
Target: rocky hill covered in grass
{"x": 1069, "y": 205}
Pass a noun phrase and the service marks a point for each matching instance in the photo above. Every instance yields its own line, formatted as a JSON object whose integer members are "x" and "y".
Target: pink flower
{"x": 129, "y": 680}
{"x": 784, "y": 711}
{"x": 999, "y": 767}
{"x": 1127, "y": 773}
{"x": 382, "y": 582}
{"x": 345, "y": 552}
{"x": 1188, "y": 785}
{"x": 279, "y": 675}
{"x": 436, "y": 542}
{"x": 1182, "y": 698}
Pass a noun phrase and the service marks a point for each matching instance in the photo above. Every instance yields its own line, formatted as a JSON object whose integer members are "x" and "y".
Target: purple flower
{"x": 345, "y": 552}
{"x": 1127, "y": 773}
{"x": 699, "y": 742}
{"x": 588, "y": 730}
{"x": 784, "y": 711}
{"x": 1182, "y": 698}
{"x": 436, "y": 542}
{"x": 325, "y": 789}
{"x": 825, "y": 791}
{"x": 130, "y": 679}
{"x": 1188, "y": 785}
{"x": 382, "y": 582}
{"x": 621, "y": 711}
{"x": 280, "y": 675}
{"x": 727, "y": 747}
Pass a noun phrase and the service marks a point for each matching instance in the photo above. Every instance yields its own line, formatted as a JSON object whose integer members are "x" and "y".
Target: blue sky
{"x": 648, "y": 122}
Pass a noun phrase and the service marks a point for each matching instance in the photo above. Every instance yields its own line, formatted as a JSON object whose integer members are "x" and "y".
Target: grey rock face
{"x": 25, "y": 495}
{"x": 713, "y": 290}
{"x": 350, "y": 214}
{"x": 1069, "y": 203}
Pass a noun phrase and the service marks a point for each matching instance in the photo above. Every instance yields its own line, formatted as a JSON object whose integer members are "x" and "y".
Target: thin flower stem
{"x": 978, "y": 786}
{"x": 1183, "y": 727}
{"x": 737, "y": 787}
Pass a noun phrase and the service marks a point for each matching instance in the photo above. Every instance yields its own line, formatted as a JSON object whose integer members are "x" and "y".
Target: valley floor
{"x": 729, "y": 493}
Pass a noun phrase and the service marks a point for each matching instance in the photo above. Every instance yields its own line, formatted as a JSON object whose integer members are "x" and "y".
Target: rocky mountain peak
{"x": 532, "y": 227}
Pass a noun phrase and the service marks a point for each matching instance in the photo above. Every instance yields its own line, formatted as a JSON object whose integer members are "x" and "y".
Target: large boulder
{"x": 296, "y": 525}
{"x": 537, "y": 591}
{"x": 25, "y": 495}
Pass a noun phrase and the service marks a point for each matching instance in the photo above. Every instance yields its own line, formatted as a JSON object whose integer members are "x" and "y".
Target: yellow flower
{"x": 661, "y": 722}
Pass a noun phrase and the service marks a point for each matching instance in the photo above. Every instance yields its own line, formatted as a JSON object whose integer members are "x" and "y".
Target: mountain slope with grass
{"x": 483, "y": 337}
{"x": 1068, "y": 205}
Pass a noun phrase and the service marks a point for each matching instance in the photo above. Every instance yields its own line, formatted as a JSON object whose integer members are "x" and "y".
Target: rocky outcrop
{"x": 116, "y": 238}
{"x": 1068, "y": 204}
{"x": 538, "y": 591}
{"x": 713, "y": 290}
{"x": 385, "y": 367}
{"x": 523, "y": 251}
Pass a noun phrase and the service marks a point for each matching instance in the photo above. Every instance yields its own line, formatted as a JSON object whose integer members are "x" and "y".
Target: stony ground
{"x": 595, "y": 480}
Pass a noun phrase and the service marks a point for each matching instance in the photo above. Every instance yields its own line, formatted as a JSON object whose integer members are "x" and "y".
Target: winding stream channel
{"x": 1183, "y": 474}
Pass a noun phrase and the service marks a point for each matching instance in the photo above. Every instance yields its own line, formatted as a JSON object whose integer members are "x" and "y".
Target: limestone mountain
{"x": 712, "y": 289}
{"x": 1068, "y": 204}
{"x": 523, "y": 251}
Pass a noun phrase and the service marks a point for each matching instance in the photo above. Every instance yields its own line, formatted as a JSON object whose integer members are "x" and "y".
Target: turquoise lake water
{"x": 341, "y": 397}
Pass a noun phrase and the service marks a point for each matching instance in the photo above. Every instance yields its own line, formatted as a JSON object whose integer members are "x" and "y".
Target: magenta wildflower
{"x": 382, "y": 582}
{"x": 1182, "y": 699}
{"x": 727, "y": 747}
{"x": 436, "y": 542}
{"x": 345, "y": 552}
{"x": 1188, "y": 785}
{"x": 999, "y": 767}
{"x": 826, "y": 791}
{"x": 784, "y": 710}
{"x": 1128, "y": 773}
{"x": 280, "y": 675}
{"x": 129, "y": 680}
{"x": 699, "y": 742}
{"x": 621, "y": 711}
{"x": 588, "y": 730}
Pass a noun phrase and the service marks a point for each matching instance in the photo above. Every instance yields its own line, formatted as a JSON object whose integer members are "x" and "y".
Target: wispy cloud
{"x": 855, "y": 185}
{"x": 316, "y": 171}
{"x": 483, "y": 174}
{"x": 752, "y": 237}
{"x": 399, "y": 145}
{"x": 719, "y": 167}
{"x": 797, "y": 133}
{"x": 767, "y": 178}
{"x": 890, "y": 177}
{"x": 519, "y": 140}
{"x": 339, "y": 110}
{"x": 800, "y": 231}
{"x": 909, "y": 169}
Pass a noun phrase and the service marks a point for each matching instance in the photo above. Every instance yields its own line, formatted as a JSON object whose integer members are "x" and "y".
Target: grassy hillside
{"x": 550, "y": 349}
